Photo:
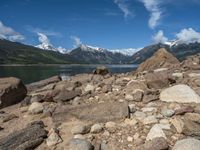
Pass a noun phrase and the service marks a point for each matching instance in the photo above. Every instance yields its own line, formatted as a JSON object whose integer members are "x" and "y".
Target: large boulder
{"x": 179, "y": 93}
{"x": 159, "y": 80}
{"x": 187, "y": 144}
{"x": 12, "y": 91}
{"x": 161, "y": 59}
{"x": 101, "y": 70}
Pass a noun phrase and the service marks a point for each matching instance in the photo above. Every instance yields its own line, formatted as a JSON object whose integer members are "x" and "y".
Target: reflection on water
{"x": 30, "y": 74}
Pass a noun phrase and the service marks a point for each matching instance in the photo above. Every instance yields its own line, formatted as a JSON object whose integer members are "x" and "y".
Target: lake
{"x": 29, "y": 74}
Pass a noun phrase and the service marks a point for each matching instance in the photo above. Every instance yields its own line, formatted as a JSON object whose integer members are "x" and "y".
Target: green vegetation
{"x": 17, "y": 53}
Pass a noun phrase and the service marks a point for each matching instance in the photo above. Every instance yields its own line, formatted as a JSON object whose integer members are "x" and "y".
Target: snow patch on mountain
{"x": 127, "y": 52}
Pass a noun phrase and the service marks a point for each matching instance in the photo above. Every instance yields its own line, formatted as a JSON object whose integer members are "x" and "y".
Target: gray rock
{"x": 96, "y": 128}
{"x": 89, "y": 87}
{"x": 191, "y": 128}
{"x": 139, "y": 115}
{"x": 187, "y": 144}
{"x": 36, "y": 98}
{"x": 178, "y": 123}
{"x": 35, "y": 108}
{"x": 80, "y": 144}
{"x": 132, "y": 108}
{"x": 158, "y": 80}
{"x": 53, "y": 138}
{"x": 26, "y": 101}
{"x": 155, "y": 144}
{"x": 180, "y": 94}
{"x": 65, "y": 95}
{"x": 155, "y": 132}
{"x": 80, "y": 129}
{"x": 27, "y": 138}
{"x": 167, "y": 112}
{"x": 36, "y": 85}
{"x": 129, "y": 97}
{"x": 7, "y": 117}
{"x": 110, "y": 126}
{"x": 137, "y": 95}
{"x": 107, "y": 88}
{"x": 101, "y": 70}
{"x": 149, "y": 120}
{"x": 193, "y": 117}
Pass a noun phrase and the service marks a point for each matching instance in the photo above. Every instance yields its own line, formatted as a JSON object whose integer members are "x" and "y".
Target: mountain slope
{"x": 146, "y": 53}
{"x": 181, "y": 51}
{"x": 89, "y": 55}
{"x": 17, "y": 53}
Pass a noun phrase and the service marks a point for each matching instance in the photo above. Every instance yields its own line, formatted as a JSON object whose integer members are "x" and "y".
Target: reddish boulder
{"x": 12, "y": 91}
{"x": 161, "y": 59}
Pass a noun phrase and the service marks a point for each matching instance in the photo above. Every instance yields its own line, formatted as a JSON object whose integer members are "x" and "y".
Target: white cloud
{"x": 159, "y": 38}
{"x": 9, "y": 33}
{"x": 123, "y": 6}
{"x": 44, "y": 39}
{"x": 188, "y": 36}
{"x": 153, "y": 6}
{"x": 76, "y": 41}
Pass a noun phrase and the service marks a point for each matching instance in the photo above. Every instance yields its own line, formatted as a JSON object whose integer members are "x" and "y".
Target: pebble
{"x": 96, "y": 128}
{"x": 80, "y": 144}
{"x": 79, "y": 129}
{"x": 167, "y": 112}
{"x": 35, "y": 108}
{"x": 155, "y": 131}
{"x": 149, "y": 120}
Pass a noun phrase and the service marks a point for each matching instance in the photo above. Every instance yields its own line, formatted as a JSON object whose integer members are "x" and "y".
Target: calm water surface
{"x": 30, "y": 74}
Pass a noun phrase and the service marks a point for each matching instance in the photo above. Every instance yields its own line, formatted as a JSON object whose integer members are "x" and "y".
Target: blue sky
{"x": 104, "y": 23}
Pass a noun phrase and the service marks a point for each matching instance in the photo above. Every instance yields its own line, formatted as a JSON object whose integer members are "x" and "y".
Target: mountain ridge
{"x": 18, "y": 53}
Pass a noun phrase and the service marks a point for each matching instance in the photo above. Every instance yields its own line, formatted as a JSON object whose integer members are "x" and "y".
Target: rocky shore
{"x": 156, "y": 107}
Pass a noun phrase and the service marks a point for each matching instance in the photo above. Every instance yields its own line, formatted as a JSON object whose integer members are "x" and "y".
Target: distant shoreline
{"x": 10, "y": 65}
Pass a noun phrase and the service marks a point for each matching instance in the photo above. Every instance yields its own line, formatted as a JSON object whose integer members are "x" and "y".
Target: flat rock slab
{"x": 102, "y": 112}
{"x": 180, "y": 94}
{"x": 27, "y": 138}
{"x": 36, "y": 85}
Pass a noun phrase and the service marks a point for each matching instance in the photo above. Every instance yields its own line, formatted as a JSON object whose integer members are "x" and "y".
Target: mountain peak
{"x": 50, "y": 47}
{"x": 85, "y": 47}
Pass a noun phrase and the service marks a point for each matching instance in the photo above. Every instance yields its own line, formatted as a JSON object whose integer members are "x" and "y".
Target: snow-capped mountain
{"x": 87, "y": 54}
{"x": 127, "y": 52}
{"x": 91, "y": 48}
{"x": 45, "y": 46}
{"x": 176, "y": 47}
{"x": 172, "y": 43}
